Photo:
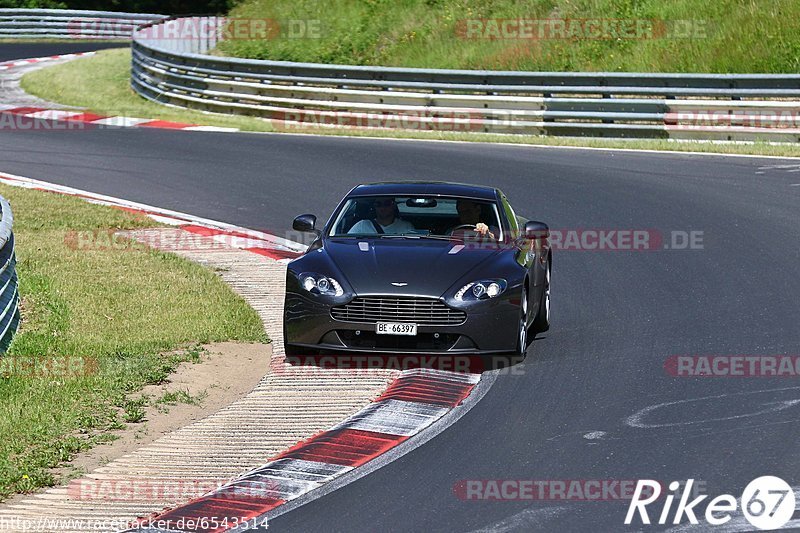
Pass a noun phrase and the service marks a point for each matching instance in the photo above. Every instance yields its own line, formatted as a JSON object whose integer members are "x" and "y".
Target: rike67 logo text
{"x": 767, "y": 503}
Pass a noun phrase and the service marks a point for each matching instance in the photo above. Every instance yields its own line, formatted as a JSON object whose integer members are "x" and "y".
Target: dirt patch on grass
{"x": 227, "y": 371}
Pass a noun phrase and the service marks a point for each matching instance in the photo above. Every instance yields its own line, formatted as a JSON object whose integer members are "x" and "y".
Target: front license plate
{"x": 395, "y": 328}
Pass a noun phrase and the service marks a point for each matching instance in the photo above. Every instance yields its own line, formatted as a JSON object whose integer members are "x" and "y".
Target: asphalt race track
{"x": 32, "y": 49}
{"x": 569, "y": 412}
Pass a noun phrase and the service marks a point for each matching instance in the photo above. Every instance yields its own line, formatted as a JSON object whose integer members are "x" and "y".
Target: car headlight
{"x": 319, "y": 284}
{"x": 481, "y": 290}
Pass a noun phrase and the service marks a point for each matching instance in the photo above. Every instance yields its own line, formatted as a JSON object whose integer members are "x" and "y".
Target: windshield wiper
{"x": 443, "y": 238}
{"x": 397, "y": 236}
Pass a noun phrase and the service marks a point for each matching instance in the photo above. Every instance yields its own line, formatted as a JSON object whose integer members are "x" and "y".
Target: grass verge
{"x": 562, "y": 35}
{"x": 132, "y": 314}
{"x": 101, "y": 84}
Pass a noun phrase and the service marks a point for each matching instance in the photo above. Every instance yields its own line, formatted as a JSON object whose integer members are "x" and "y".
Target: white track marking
{"x": 121, "y": 122}
{"x": 54, "y": 114}
{"x": 302, "y": 469}
{"x": 211, "y": 128}
{"x": 635, "y": 420}
{"x": 182, "y": 218}
{"x": 394, "y": 417}
{"x": 594, "y": 435}
{"x": 459, "y": 377}
{"x": 787, "y": 168}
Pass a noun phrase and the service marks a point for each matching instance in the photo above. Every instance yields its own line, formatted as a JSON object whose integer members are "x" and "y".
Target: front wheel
{"x": 542, "y": 321}
{"x": 294, "y": 351}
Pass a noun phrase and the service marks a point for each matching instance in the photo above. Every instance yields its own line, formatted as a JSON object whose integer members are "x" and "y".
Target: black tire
{"x": 293, "y": 351}
{"x": 542, "y": 321}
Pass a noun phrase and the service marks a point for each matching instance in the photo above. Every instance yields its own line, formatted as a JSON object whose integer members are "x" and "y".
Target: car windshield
{"x": 415, "y": 217}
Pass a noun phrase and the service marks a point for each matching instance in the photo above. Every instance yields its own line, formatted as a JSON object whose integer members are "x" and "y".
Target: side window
{"x": 510, "y": 216}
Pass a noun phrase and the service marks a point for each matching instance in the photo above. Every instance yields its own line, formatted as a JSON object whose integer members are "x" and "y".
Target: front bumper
{"x": 490, "y": 327}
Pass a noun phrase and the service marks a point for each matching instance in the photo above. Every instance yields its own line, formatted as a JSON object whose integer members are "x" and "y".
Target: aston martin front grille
{"x": 422, "y": 311}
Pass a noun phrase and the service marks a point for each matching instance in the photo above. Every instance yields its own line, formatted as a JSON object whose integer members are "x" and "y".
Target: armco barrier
{"x": 9, "y": 296}
{"x": 70, "y": 24}
{"x": 171, "y": 65}
{"x": 179, "y": 72}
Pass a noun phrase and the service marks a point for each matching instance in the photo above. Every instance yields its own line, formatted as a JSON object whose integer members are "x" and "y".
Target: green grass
{"x": 101, "y": 83}
{"x": 123, "y": 309}
{"x": 737, "y": 35}
{"x": 179, "y": 397}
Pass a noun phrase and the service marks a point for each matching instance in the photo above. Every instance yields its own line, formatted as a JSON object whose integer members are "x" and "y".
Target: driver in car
{"x": 469, "y": 213}
{"x": 387, "y": 219}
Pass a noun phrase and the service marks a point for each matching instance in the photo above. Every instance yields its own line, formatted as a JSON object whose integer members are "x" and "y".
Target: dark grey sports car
{"x": 419, "y": 267}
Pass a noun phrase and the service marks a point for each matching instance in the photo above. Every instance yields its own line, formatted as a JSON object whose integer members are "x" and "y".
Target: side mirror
{"x": 305, "y": 223}
{"x": 536, "y": 230}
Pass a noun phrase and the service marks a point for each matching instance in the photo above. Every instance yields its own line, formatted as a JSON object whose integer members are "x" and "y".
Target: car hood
{"x": 426, "y": 267}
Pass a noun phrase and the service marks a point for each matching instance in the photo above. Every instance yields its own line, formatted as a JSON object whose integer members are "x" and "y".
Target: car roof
{"x": 432, "y": 188}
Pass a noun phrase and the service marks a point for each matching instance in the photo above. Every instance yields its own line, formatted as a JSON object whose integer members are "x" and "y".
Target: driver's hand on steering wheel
{"x": 483, "y": 229}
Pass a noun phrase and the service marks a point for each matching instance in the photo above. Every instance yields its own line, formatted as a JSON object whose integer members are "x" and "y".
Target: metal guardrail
{"x": 9, "y": 295}
{"x": 70, "y": 24}
{"x": 180, "y": 72}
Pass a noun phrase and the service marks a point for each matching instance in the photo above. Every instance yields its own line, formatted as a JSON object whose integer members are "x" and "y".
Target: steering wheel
{"x": 472, "y": 227}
